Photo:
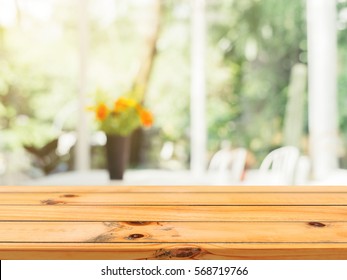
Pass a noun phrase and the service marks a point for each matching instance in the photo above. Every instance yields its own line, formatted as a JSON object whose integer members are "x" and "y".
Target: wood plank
{"x": 113, "y": 188}
{"x": 204, "y": 229}
{"x": 174, "y": 232}
{"x": 173, "y": 198}
{"x": 182, "y": 251}
{"x": 173, "y": 213}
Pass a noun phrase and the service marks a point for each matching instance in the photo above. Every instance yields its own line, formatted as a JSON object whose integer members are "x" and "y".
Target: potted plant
{"x": 118, "y": 119}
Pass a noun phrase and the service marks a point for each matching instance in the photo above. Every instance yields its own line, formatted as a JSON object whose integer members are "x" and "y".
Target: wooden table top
{"x": 154, "y": 222}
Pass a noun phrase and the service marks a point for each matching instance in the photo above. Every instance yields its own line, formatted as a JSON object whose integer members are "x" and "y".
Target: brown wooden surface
{"x": 173, "y": 213}
{"x": 171, "y": 198}
{"x": 173, "y": 222}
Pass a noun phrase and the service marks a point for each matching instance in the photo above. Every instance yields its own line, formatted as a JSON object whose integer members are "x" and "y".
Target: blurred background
{"x": 217, "y": 74}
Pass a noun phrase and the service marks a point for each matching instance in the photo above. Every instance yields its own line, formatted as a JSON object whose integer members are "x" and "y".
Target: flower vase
{"x": 117, "y": 154}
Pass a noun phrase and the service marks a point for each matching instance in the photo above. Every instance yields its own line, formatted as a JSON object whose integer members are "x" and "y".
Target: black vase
{"x": 117, "y": 153}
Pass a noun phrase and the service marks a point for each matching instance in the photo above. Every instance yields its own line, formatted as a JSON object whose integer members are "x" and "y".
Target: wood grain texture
{"x": 173, "y": 213}
{"x": 173, "y": 222}
{"x": 183, "y": 251}
{"x": 174, "y": 232}
{"x": 167, "y": 198}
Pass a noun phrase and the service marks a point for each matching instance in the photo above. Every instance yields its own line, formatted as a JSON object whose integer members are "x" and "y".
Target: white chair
{"x": 280, "y": 164}
{"x": 303, "y": 171}
{"x": 227, "y": 166}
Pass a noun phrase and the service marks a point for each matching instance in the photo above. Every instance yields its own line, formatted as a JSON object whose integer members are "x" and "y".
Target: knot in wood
{"x": 135, "y": 236}
{"x": 52, "y": 202}
{"x": 69, "y": 195}
{"x": 179, "y": 253}
{"x": 316, "y": 224}
{"x": 138, "y": 223}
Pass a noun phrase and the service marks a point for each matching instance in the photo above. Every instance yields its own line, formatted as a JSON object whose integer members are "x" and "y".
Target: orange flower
{"x": 123, "y": 103}
{"x": 146, "y": 118}
{"x": 101, "y": 112}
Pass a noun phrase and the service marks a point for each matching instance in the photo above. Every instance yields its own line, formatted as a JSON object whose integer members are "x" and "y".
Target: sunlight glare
{"x": 7, "y": 13}
{"x": 39, "y": 9}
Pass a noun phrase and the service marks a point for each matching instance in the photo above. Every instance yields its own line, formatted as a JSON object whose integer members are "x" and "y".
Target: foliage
{"x": 252, "y": 46}
{"x": 257, "y": 49}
